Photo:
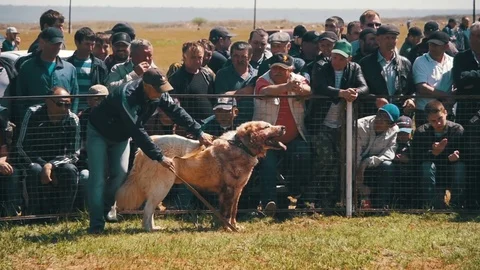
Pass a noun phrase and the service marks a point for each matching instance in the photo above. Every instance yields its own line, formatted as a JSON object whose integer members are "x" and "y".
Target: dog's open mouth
{"x": 273, "y": 143}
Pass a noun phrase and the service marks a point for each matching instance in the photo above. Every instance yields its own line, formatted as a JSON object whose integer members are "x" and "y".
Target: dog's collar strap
{"x": 238, "y": 143}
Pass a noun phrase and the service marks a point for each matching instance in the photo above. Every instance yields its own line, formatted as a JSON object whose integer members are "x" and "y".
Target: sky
{"x": 300, "y": 4}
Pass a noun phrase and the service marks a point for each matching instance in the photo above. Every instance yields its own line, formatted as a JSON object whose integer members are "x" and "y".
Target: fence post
{"x": 349, "y": 160}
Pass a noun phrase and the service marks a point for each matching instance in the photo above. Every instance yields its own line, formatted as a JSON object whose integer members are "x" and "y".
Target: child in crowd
{"x": 404, "y": 186}
{"x": 225, "y": 112}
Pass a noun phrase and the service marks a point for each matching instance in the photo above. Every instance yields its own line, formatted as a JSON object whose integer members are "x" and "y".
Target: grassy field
{"x": 397, "y": 241}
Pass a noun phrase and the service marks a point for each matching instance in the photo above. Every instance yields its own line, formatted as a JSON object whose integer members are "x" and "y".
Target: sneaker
{"x": 270, "y": 209}
{"x": 365, "y": 204}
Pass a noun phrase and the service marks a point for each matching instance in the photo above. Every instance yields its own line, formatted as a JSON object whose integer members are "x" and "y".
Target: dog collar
{"x": 238, "y": 143}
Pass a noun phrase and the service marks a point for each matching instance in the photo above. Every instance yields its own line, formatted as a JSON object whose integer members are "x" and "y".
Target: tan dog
{"x": 223, "y": 168}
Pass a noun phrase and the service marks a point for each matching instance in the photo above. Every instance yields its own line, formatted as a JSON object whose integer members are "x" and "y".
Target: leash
{"x": 206, "y": 203}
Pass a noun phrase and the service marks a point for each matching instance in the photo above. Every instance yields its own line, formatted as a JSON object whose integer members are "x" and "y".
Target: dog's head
{"x": 261, "y": 136}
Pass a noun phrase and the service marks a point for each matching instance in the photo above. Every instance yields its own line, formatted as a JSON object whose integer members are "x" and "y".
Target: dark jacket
{"x": 34, "y": 46}
{"x": 123, "y": 112}
{"x": 217, "y": 61}
{"x": 466, "y": 74}
{"x": 425, "y": 137}
{"x": 11, "y": 88}
{"x": 323, "y": 84}
{"x": 98, "y": 72}
{"x": 308, "y": 68}
{"x": 41, "y": 141}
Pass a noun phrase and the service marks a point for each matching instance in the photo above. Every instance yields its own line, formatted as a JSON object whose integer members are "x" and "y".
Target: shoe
{"x": 111, "y": 216}
{"x": 365, "y": 204}
{"x": 270, "y": 209}
{"x": 95, "y": 230}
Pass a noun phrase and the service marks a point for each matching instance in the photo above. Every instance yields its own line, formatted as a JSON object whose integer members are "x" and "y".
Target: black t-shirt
{"x": 198, "y": 107}
{"x": 217, "y": 61}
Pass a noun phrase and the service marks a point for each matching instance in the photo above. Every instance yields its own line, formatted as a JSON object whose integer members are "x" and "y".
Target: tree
{"x": 199, "y": 21}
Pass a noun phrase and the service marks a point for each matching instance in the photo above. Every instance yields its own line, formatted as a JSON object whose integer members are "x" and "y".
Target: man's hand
{"x": 409, "y": 105}
{"x": 455, "y": 156}
{"x": 46, "y": 174}
{"x": 401, "y": 158}
{"x": 294, "y": 86}
{"x": 168, "y": 163}
{"x": 141, "y": 68}
{"x": 6, "y": 168}
{"x": 206, "y": 139}
{"x": 18, "y": 41}
{"x": 438, "y": 147}
{"x": 349, "y": 94}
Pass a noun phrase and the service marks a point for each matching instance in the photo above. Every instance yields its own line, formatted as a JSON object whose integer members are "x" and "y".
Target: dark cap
{"x": 299, "y": 31}
{"x": 367, "y": 31}
{"x": 415, "y": 31}
{"x": 52, "y": 35}
{"x": 279, "y": 37}
{"x": 122, "y": 27}
{"x": 219, "y": 32}
{"x": 452, "y": 20}
{"x": 282, "y": 60}
{"x": 328, "y": 35}
{"x": 385, "y": 29}
{"x": 431, "y": 26}
{"x": 121, "y": 37}
{"x": 311, "y": 36}
{"x": 225, "y": 103}
{"x": 404, "y": 123}
{"x": 156, "y": 79}
{"x": 439, "y": 38}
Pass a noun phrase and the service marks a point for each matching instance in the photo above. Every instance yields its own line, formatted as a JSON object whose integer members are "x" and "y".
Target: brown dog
{"x": 223, "y": 168}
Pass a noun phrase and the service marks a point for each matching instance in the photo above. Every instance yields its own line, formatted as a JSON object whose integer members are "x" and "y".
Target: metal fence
{"x": 318, "y": 172}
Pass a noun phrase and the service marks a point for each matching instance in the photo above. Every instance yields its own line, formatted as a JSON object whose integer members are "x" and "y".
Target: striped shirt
{"x": 84, "y": 68}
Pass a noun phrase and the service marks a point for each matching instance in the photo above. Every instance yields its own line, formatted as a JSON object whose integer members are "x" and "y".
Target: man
{"x": 387, "y": 73}
{"x": 90, "y": 70}
{"x": 376, "y": 145}
{"x": 258, "y": 39}
{"x": 440, "y": 151}
{"x": 52, "y": 176}
{"x": 368, "y": 19}
{"x": 449, "y": 29}
{"x": 194, "y": 79}
{"x": 463, "y": 35}
{"x": 8, "y": 74}
{"x": 40, "y": 74}
{"x": 221, "y": 38}
{"x": 429, "y": 28}
{"x": 120, "y": 117}
{"x": 341, "y": 27}
{"x": 12, "y": 40}
{"x": 342, "y": 81}
{"x": 326, "y": 41}
{"x": 353, "y": 31}
{"x": 280, "y": 81}
{"x": 225, "y": 111}
{"x": 432, "y": 75}
{"x": 120, "y": 50}
{"x": 368, "y": 44}
{"x": 207, "y": 56}
{"x": 237, "y": 76}
{"x": 414, "y": 37}
{"x": 295, "y": 44}
{"x": 141, "y": 59}
{"x": 102, "y": 46}
{"x": 332, "y": 24}
{"x": 122, "y": 27}
{"x": 310, "y": 48}
{"x": 50, "y": 18}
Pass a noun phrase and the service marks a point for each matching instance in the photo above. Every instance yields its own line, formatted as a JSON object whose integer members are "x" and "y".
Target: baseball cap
{"x": 342, "y": 47}
{"x": 367, "y": 31}
{"x": 385, "y": 29}
{"x": 404, "y": 123}
{"x": 122, "y": 27}
{"x": 121, "y": 37}
{"x": 415, "y": 31}
{"x": 279, "y": 37}
{"x": 219, "y": 32}
{"x": 392, "y": 111}
{"x": 12, "y": 30}
{"x": 430, "y": 26}
{"x": 98, "y": 89}
{"x": 52, "y": 35}
{"x": 225, "y": 103}
{"x": 328, "y": 35}
{"x": 299, "y": 31}
{"x": 156, "y": 79}
{"x": 451, "y": 20}
{"x": 311, "y": 36}
{"x": 282, "y": 60}
{"x": 439, "y": 38}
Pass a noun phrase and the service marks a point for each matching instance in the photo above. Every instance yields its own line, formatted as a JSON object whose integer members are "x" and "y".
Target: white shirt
{"x": 437, "y": 75}
{"x": 4, "y": 81}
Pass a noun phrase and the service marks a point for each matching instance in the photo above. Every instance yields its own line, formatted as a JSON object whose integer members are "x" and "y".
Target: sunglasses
{"x": 63, "y": 104}
{"x": 374, "y": 25}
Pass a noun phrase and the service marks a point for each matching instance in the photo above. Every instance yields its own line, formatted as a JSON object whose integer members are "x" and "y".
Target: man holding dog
{"x": 120, "y": 117}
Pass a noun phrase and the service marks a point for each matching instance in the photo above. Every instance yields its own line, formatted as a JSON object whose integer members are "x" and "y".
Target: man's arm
{"x": 179, "y": 115}
{"x": 360, "y": 82}
{"x": 24, "y": 144}
{"x": 420, "y": 78}
{"x": 73, "y": 145}
{"x": 119, "y": 76}
{"x": 424, "y": 89}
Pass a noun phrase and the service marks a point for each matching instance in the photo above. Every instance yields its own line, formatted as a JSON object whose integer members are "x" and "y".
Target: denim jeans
{"x": 380, "y": 180}
{"x": 106, "y": 159}
{"x": 430, "y": 181}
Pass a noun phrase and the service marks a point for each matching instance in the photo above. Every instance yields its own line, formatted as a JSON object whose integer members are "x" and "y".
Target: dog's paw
{"x": 239, "y": 227}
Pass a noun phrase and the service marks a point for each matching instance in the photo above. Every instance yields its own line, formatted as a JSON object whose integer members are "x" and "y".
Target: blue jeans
{"x": 380, "y": 180}
{"x": 430, "y": 181}
{"x": 106, "y": 159}
{"x": 297, "y": 160}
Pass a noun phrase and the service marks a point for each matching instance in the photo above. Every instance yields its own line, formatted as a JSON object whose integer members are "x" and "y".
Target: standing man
{"x": 120, "y": 50}
{"x": 120, "y": 117}
{"x": 463, "y": 35}
{"x": 221, "y": 38}
{"x": 102, "y": 46}
{"x": 298, "y": 32}
{"x": 310, "y": 47}
{"x": 50, "y": 18}
{"x": 280, "y": 43}
{"x": 450, "y": 28}
{"x": 414, "y": 37}
{"x": 12, "y": 40}
{"x": 353, "y": 31}
{"x": 259, "y": 40}
{"x": 368, "y": 19}
{"x": 332, "y": 24}
{"x": 368, "y": 44}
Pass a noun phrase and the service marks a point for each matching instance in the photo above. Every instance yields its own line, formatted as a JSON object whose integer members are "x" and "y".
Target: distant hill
{"x": 31, "y": 14}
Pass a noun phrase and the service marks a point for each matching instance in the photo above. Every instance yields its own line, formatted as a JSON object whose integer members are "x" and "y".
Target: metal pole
{"x": 254, "y": 14}
{"x": 349, "y": 150}
{"x": 70, "y": 17}
{"x": 473, "y": 20}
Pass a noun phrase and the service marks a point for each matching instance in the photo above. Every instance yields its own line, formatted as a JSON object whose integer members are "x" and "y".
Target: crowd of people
{"x": 414, "y": 123}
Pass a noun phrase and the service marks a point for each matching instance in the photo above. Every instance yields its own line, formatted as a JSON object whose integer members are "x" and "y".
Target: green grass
{"x": 398, "y": 241}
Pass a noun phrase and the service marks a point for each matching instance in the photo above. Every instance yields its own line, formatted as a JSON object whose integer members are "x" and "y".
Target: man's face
{"x": 370, "y": 44}
{"x": 58, "y": 24}
{"x": 225, "y": 43}
{"x": 438, "y": 120}
{"x": 331, "y": 26}
{"x": 403, "y": 137}
{"x": 207, "y": 56}
{"x": 12, "y": 36}
{"x": 101, "y": 50}
{"x": 86, "y": 46}
{"x": 279, "y": 74}
{"x": 414, "y": 39}
{"x": 279, "y": 47}
{"x": 354, "y": 33}
{"x": 51, "y": 49}
{"x": 475, "y": 40}
{"x": 240, "y": 59}
{"x": 258, "y": 43}
{"x": 142, "y": 54}
{"x": 326, "y": 47}
{"x": 310, "y": 49}
{"x": 387, "y": 42}
{"x": 225, "y": 117}
{"x": 452, "y": 24}
{"x": 193, "y": 59}
{"x": 339, "y": 62}
{"x": 436, "y": 50}
{"x": 382, "y": 122}
{"x": 372, "y": 22}
{"x": 59, "y": 106}
{"x": 466, "y": 22}
{"x": 121, "y": 51}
